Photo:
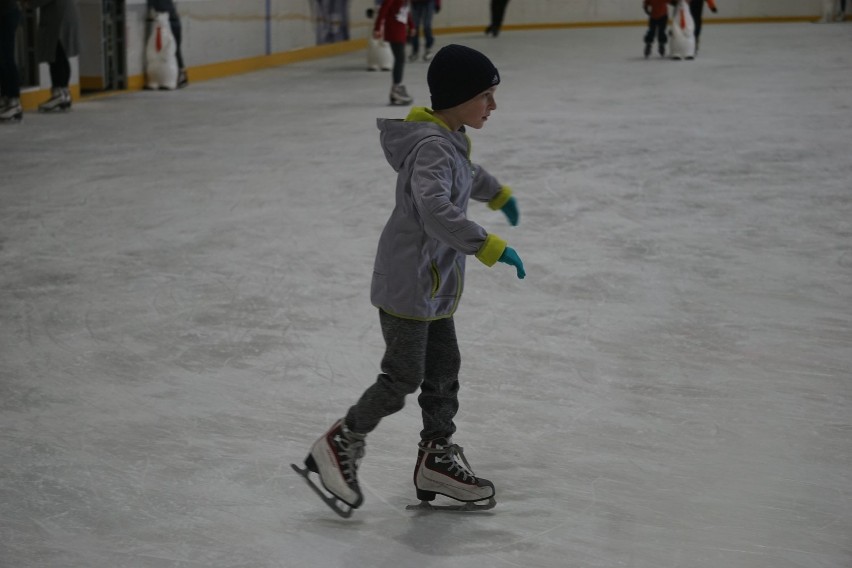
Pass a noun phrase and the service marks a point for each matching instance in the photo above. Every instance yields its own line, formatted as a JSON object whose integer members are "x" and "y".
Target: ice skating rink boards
{"x": 184, "y": 307}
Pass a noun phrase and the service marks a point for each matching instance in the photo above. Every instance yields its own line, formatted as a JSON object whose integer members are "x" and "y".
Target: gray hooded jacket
{"x": 420, "y": 262}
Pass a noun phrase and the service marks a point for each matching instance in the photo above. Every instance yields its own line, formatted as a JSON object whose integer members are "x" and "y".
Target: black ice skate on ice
{"x": 335, "y": 458}
{"x": 443, "y": 470}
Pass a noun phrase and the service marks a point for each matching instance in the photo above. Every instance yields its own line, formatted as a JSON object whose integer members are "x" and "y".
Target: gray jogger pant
{"x": 418, "y": 354}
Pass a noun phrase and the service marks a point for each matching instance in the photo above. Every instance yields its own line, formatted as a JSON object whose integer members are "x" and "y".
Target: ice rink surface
{"x": 184, "y": 308}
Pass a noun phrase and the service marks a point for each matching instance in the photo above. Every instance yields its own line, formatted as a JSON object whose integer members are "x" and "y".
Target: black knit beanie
{"x": 457, "y": 74}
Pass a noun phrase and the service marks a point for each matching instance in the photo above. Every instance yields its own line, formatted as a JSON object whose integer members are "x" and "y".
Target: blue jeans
{"x": 422, "y": 13}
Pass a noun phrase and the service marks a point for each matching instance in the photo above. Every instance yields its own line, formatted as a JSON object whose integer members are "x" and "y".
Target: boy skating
{"x": 417, "y": 282}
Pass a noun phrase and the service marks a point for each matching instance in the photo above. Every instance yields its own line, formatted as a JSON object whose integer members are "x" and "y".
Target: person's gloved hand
{"x": 511, "y": 258}
{"x": 714, "y": 9}
{"x": 510, "y": 209}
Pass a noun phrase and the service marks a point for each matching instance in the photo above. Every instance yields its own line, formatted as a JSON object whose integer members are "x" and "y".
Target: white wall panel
{"x": 225, "y": 30}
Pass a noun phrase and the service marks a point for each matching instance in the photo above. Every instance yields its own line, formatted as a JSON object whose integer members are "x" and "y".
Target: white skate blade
{"x": 335, "y": 504}
{"x": 469, "y": 507}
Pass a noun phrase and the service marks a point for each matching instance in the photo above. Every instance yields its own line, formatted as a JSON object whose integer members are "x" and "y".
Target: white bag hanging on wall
{"x": 161, "y": 68}
{"x": 682, "y": 44}
{"x": 379, "y": 55}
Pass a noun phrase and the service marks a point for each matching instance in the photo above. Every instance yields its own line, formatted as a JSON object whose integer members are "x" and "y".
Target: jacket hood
{"x": 399, "y": 137}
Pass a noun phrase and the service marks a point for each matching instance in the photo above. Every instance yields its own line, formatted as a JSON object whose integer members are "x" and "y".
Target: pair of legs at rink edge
{"x": 60, "y": 76}
{"x": 833, "y": 11}
{"x": 10, "y": 87}
{"x": 58, "y": 39}
{"x": 498, "y": 12}
{"x": 418, "y": 354}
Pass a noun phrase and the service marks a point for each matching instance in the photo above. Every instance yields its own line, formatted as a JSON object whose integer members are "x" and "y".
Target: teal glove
{"x": 510, "y": 209}
{"x": 510, "y": 257}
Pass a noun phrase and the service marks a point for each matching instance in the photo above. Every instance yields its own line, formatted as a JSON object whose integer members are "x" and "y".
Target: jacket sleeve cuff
{"x": 502, "y": 197}
{"x": 491, "y": 250}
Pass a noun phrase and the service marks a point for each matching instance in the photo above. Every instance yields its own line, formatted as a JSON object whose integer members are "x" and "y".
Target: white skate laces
{"x": 442, "y": 469}
{"x": 352, "y": 449}
{"x": 449, "y": 454}
{"x": 334, "y": 458}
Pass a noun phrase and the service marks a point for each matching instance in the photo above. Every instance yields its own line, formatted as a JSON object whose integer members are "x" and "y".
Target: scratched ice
{"x": 184, "y": 284}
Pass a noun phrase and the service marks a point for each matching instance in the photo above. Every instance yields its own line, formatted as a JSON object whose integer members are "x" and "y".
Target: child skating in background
{"x": 417, "y": 283}
{"x": 658, "y": 19}
{"x": 394, "y": 24}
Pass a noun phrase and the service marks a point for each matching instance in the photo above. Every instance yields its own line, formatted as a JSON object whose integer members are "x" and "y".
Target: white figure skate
{"x": 335, "y": 458}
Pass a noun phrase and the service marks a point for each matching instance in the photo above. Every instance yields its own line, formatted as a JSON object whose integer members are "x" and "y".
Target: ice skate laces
{"x": 449, "y": 454}
{"x": 351, "y": 448}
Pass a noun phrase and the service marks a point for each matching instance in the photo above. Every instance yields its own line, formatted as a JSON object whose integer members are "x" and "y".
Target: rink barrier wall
{"x": 30, "y": 99}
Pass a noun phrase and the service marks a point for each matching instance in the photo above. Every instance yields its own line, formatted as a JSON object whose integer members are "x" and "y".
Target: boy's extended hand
{"x": 510, "y": 209}
{"x": 510, "y": 257}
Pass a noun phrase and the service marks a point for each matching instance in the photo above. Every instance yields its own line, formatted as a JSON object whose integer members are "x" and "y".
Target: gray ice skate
{"x": 60, "y": 100}
{"x": 11, "y": 110}
{"x": 443, "y": 470}
{"x": 399, "y": 95}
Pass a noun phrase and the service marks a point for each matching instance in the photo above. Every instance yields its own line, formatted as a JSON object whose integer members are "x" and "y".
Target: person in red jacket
{"x": 658, "y": 19}
{"x": 395, "y": 25}
{"x": 696, "y": 7}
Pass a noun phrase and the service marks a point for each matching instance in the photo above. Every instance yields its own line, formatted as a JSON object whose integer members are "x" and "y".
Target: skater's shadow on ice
{"x": 429, "y": 533}
{"x": 463, "y": 536}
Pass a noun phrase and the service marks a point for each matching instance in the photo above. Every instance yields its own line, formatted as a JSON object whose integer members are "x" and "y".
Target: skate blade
{"x": 58, "y": 109}
{"x": 469, "y": 507}
{"x": 333, "y": 502}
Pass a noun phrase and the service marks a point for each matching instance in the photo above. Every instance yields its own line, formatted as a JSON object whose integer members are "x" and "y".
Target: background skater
{"x": 658, "y": 20}
{"x": 696, "y": 8}
{"x": 394, "y": 24}
{"x": 498, "y": 12}
{"x": 422, "y": 12}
